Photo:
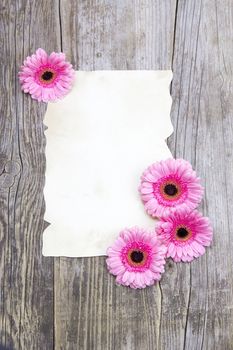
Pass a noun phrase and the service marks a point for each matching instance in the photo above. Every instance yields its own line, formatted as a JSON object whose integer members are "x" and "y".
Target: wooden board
{"x": 66, "y": 303}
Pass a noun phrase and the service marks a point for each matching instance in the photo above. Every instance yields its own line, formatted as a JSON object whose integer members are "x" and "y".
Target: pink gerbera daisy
{"x": 46, "y": 77}
{"x": 170, "y": 185}
{"x": 185, "y": 235}
{"x": 137, "y": 258}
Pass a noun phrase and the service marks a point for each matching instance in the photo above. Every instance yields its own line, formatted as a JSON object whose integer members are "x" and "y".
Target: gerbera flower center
{"x": 47, "y": 75}
{"x": 137, "y": 256}
{"x": 183, "y": 233}
{"x": 170, "y": 189}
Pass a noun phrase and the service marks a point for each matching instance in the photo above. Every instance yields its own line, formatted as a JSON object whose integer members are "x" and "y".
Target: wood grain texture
{"x": 202, "y": 114}
{"x": 67, "y": 303}
{"x": 26, "y": 278}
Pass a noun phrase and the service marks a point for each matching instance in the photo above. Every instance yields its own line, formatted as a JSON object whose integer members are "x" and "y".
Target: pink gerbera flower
{"x": 46, "y": 77}
{"x": 185, "y": 235}
{"x": 170, "y": 185}
{"x": 137, "y": 258}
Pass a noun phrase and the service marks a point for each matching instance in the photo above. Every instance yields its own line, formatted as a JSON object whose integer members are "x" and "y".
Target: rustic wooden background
{"x": 67, "y": 303}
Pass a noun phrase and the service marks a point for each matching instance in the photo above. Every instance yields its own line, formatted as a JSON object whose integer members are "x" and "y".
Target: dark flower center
{"x": 170, "y": 190}
{"x": 182, "y": 232}
{"x": 47, "y": 75}
{"x": 137, "y": 256}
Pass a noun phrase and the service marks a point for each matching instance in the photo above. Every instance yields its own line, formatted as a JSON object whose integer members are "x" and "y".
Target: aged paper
{"x": 100, "y": 138}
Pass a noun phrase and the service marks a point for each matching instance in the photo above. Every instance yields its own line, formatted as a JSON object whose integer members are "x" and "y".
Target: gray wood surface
{"x": 66, "y": 303}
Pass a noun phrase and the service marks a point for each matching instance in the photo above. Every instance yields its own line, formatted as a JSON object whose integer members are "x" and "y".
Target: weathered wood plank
{"x": 99, "y": 34}
{"x": 26, "y": 279}
{"x": 203, "y": 117}
{"x": 91, "y": 312}
{"x": 192, "y": 306}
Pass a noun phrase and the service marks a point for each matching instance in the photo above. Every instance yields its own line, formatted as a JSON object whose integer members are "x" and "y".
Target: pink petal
{"x": 125, "y": 277}
{"x": 179, "y": 251}
{"x": 171, "y": 249}
{"x": 199, "y": 248}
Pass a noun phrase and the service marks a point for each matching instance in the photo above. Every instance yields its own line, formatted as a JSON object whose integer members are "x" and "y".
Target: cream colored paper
{"x": 100, "y": 138}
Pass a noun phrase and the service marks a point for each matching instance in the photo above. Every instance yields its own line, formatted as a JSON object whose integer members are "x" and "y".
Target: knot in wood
{"x": 8, "y": 172}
